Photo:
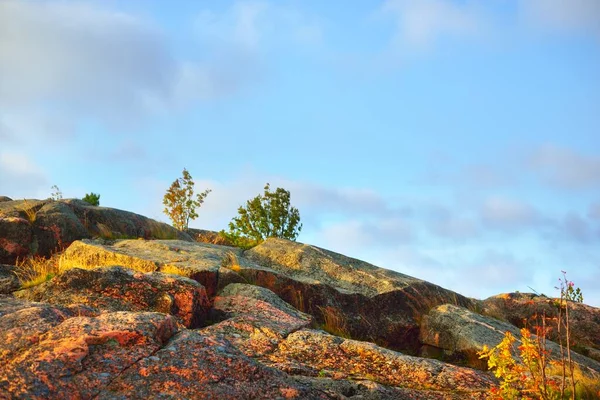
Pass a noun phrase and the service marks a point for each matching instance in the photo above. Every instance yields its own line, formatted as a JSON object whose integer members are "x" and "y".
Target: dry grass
{"x": 159, "y": 230}
{"x": 297, "y": 300}
{"x": 35, "y": 270}
{"x": 334, "y": 322}
{"x": 78, "y": 256}
{"x": 231, "y": 261}
{"x": 175, "y": 270}
{"x": 29, "y": 210}
{"x": 587, "y": 387}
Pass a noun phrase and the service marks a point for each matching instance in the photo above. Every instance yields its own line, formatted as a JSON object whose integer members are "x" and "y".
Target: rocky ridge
{"x": 136, "y": 318}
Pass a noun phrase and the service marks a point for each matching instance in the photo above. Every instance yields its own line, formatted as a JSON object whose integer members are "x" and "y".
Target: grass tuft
{"x": 36, "y": 270}
{"x": 175, "y": 270}
{"x": 334, "y": 322}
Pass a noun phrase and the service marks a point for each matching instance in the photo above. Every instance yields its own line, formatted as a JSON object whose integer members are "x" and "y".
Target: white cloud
{"x": 352, "y": 235}
{"x": 256, "y": 26}
{"x": 576, "y": 228}
{"x": 566, "y": 168}
{"x": 20, "y": 177}
{"x": 421, "y": 23}
{"x": 594, "y": 211}
{"x": 562, "y": 15}
{"x": 63, "y": 61}
{"x": 80, "y": 57}
{"x": 509, "y": 214}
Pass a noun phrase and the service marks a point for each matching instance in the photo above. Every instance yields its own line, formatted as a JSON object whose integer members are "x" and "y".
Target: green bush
{"x": 92, "y": 198}
{"x": 267, "y": 215}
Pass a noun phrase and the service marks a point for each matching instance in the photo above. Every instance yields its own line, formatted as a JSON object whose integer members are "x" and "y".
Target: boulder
{"x": 461, "y": 333}
{"x": 121, "y": 289}
{"x": 198, "y": 261}
{"x": 15, "y": 238}
{"x": 195, "y": 365}
{"x": 255, "y": 320}
{"x": 368, "y": 390}
{"x": 9, "y": 282}
{"x": 520, "y": 309}
{"x": 49, "y": 352}
{"x": 29, "y": 227}
{"x": 347, "y": 296}
{"x": 316, "y": 353}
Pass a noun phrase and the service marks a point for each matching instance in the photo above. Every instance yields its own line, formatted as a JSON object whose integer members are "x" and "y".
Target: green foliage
{"x": 56, "y": 193}
{"x": 179, "y": 201}
{"x": 266, "y": 215}
{"x": 92, "y": 198}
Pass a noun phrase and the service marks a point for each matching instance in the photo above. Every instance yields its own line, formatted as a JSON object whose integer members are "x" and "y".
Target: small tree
{"x": 526, "y": 373}
{"x": 267, "y": 215}
{"x": 179, "y": 201}
{"x": 56, "y": 193}
{"x": 92, "y": 198}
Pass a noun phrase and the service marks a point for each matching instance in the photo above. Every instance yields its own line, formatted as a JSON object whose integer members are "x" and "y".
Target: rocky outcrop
{"x": 9, "y": 282}
{"x": 268, "y": 329}
{"x": 121, "y": 289}
{"x": 520, "y": 309}
{"x": 347, "y": 296}
{"x": 5, "y": 198}
{"x": 214, "y": 321}
{"x": 55, "y": 352}
{"x": 254, "y": 319}
{"x": 210, "y": 237}
{"x": 198, "y": 261}
{"x": 29, "y": 227}
{"x": 460, "y": 334}
{"x": 316, "y": 353}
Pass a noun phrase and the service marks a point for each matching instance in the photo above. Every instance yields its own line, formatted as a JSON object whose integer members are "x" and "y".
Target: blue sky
{"x": 455, "y": 141}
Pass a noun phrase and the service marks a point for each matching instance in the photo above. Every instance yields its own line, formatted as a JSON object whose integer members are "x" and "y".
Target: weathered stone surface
{"x": 9, "y": 282}
{"x": 194, "y": 365}
{"x": 463, "y": 333}
{"x": 198, "y": 261}
{"x": 345, "y": 295}
{"x": 41, "y": 227}
{"x": 255, "y": 319}
{"x": 518, "y": 308}
{"x": 240, "y": 298}
{"x": 22, "y": 323}
{"x": 360, "y": 300}
{"x": 50, "y": 352}
{"x": 121, "y": 289}
{"x": 15, "y": 238}
{"x": 210, "y": 237}
{"x": 314, "y": 353}
{"x": 369, "y": 390}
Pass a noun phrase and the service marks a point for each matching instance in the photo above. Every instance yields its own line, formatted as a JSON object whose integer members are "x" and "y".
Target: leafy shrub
{"x": 92, "y": 198}
{"x": 529, "y": 373}
{"x": 267, "y": 215}
{"x": 180, "y": 205}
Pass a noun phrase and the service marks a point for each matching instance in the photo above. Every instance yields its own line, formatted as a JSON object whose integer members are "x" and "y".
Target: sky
{"x": 453, "y": 141}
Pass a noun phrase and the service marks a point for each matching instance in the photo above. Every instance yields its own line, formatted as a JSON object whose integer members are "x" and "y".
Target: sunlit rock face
{"x": 520, "y": 309}
{"x": 462, "y": 333}
{"x": 134, "y": 318}
{"x": 30, "y": 227}
{"x": 345, "y": 295}
{"x": 123, "y": 289}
